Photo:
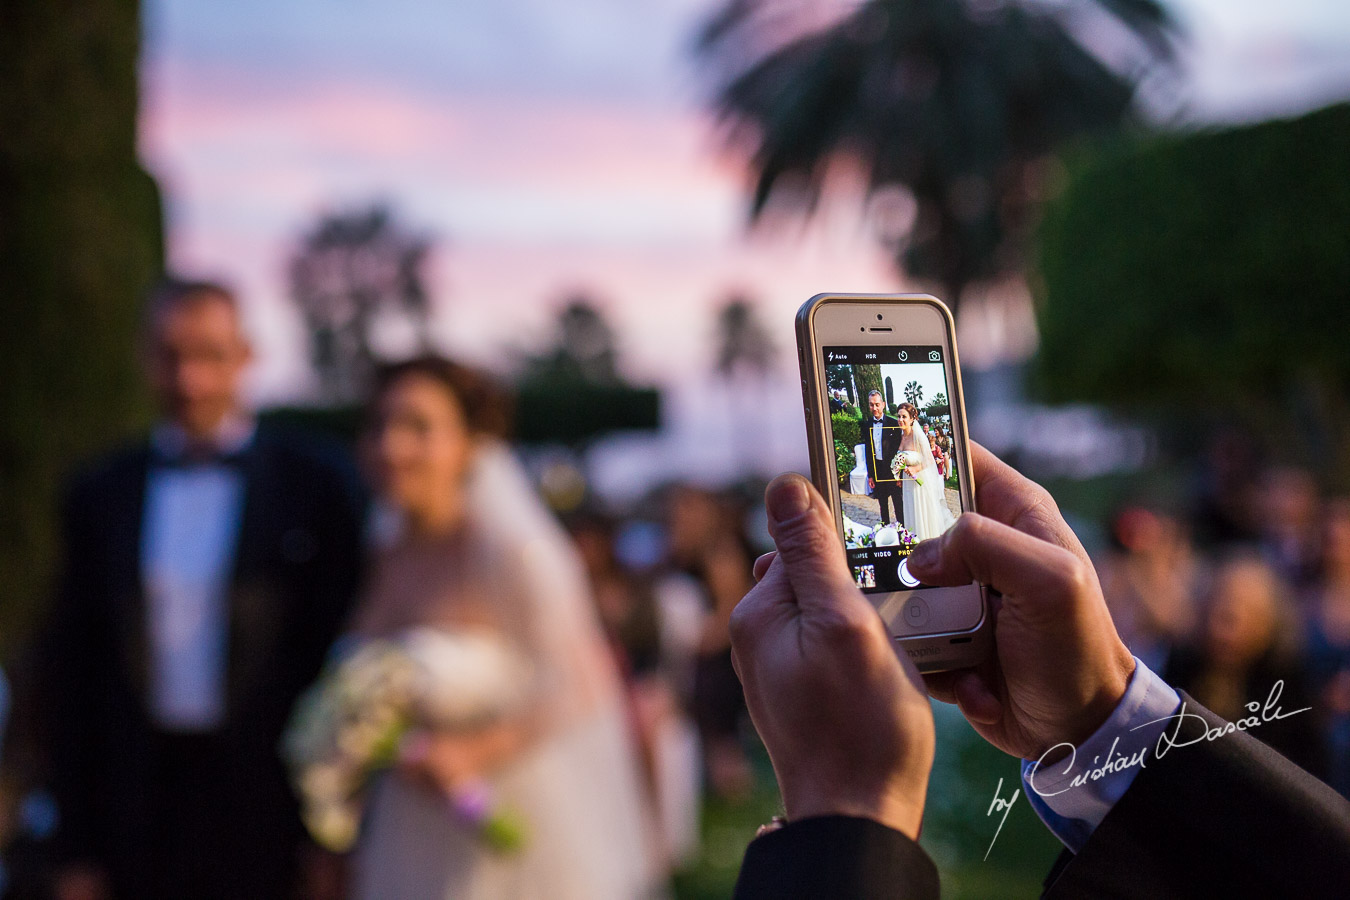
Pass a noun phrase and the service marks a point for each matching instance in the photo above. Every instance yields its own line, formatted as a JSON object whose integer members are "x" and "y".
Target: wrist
{"x": 901, "y": 810}
{"x": 1110, "y": 690}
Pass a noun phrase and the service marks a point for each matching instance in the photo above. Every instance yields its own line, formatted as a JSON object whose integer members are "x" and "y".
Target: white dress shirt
{"x": 189, "y": 536}
{"x": 1072, "y": 812}
{"x": 876, "y": 438}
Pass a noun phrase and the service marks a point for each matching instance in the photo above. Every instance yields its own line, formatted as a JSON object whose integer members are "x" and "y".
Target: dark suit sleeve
{"x": 839, "y": 857}
{"x": 1227, "y": 817}
{"x": 73, "y": 654}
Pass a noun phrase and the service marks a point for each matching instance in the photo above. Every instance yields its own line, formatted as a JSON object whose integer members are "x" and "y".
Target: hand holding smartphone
{"x": 885, "y": 419}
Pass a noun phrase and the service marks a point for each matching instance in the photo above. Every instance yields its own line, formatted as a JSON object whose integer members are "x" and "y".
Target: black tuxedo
{"x": 883, "y": 491}
{"x": 207, "y": 815}
{"x": 1222, "y": 818}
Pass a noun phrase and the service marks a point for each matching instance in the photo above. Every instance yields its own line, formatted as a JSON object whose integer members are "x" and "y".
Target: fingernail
{"x": 788, "y": 499}
{"x": 924, "y": 554}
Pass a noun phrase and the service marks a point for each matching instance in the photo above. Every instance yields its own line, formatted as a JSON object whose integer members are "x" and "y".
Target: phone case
{"x": 929, "y": 652}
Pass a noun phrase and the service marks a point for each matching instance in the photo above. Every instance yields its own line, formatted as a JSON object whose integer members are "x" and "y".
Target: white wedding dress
{"x": 577, "y": 788}
{"x": 925, "y": 510}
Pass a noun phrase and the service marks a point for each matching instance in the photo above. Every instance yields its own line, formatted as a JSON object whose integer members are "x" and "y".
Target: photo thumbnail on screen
{"x": 891, "y": 423}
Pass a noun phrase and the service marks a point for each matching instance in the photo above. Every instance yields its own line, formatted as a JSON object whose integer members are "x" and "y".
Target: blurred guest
{"x": 1245, "y": 653}
{"x": 1329, "y": 642}
{"x": 1149, "y": 579}
{"x": 939, "y": 457}
{"x": 706, "y": 544}
{"x": 628, "y": 613}
{"x": 666, "y": 736}
{"x": 1289, "y": 525}
{"x": 470, "y": 547}
{"x": 206, "y": 571}
{"x": 1228, "y": 501}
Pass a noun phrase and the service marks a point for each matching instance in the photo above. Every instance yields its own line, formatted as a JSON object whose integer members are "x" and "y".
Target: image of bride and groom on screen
{"x": 906, "y": 498}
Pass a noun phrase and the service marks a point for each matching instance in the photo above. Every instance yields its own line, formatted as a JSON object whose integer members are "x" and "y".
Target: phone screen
{"x": 899, "y": 479}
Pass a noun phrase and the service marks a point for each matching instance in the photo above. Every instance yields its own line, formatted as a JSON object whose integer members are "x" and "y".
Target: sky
{"x": 552, "y": 148}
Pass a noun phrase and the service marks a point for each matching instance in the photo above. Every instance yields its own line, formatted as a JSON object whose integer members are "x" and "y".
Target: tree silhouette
{"x": 743, "y": 343}
{"x": 352, "y": 272}
{"x": 571, "y": 391}
{"x": 956, "y": 103}
{"x": 582, "y": 348}
{"x": 914, "y": 393}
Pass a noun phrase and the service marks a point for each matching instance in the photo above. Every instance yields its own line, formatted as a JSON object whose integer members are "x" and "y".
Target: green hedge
{"x": 1211, "y": 267}
{"x": 1207, "y": 274}
{"x": 847, "y": 429}
{"x": 80, "y": 242}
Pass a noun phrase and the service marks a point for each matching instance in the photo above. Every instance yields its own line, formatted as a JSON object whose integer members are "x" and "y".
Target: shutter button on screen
{"x": 907, "y": 579}
{"x": 916, "y": 613}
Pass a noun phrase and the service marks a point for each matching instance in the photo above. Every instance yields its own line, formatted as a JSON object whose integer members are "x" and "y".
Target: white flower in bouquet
{"x": 464, "y": 679}
{"x": 902, "y": 460}
{"x": 351, "y": 722}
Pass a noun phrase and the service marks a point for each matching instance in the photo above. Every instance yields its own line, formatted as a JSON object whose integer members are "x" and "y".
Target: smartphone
{"x": 886, "y": 424}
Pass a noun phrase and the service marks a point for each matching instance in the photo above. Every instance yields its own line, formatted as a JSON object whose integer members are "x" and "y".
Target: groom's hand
{"x": 845, "y": 720}
{"x": 1058, "y": 669}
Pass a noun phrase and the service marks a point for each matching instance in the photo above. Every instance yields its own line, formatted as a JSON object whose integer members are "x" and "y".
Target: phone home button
{"x": 916, "y": 612}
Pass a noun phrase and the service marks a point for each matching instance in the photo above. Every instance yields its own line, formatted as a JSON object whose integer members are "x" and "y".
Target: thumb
{"x": 808, "y": 543}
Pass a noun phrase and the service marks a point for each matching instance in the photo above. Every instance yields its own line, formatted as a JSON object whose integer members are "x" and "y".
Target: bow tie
{"x": 196, "y": 458}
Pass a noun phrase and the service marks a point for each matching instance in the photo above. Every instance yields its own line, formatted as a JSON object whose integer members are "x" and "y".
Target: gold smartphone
{"x": 886, "y": 424}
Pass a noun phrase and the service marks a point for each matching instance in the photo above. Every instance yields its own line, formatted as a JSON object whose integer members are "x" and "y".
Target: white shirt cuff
{"x": 1073, "y": 794}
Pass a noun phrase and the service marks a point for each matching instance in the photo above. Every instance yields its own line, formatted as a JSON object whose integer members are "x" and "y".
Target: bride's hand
{"x": 448, "y": 761}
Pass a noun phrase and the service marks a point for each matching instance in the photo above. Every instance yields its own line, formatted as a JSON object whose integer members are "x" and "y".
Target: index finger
{"x": 1012, "y": 562}
{"x": 1006, "y": 495}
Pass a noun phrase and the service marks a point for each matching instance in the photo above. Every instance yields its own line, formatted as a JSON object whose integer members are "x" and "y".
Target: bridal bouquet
{"x": 352, "y": 724}
{"x": 902, "y": 460}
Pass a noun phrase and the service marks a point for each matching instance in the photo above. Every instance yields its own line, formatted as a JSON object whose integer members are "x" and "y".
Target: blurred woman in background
{"x": 1245, "y": 646}
{"x": 1150, "y": 578}
{"x": 1329, "y": 641}
{"x": 467, "y": 544}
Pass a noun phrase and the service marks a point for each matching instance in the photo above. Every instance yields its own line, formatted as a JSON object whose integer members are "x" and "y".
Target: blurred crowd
{"x": 1242, "y": 599}
{"x": 216, "y": 568}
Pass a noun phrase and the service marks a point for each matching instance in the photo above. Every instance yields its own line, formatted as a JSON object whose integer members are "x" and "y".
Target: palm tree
{"x": 745, "y": 349}
{"x": 743, "y": 341}
{"x": 914, "y": 393}
{"x": 584, "y": 349}
{"x": 957, "y": 103}
{"x": 352, "y": 270}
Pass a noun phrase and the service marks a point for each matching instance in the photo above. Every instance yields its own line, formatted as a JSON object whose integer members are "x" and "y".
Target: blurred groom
{"x": 206, "y": 571}
{"x": 881, "y": 434}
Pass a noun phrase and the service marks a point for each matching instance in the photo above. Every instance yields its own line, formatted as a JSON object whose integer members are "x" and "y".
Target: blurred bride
{"x": 466, "y": 544}
{"x": 924, "y": 492}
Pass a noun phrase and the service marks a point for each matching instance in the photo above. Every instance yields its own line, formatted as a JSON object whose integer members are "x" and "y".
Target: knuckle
{"x": 970, "y": 528}
{"x": 846, "y": 625}
{"x": 803, "y": 536}
{"x": 1075, "y": 576}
